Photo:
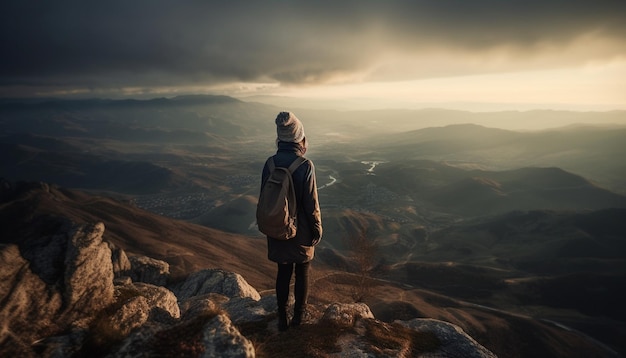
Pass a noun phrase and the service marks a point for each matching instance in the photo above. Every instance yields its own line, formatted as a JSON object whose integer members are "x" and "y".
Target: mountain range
{"x": 499, "y": 231}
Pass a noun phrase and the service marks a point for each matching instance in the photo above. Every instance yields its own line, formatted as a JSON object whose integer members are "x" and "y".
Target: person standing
{"x": 294, "y": 254}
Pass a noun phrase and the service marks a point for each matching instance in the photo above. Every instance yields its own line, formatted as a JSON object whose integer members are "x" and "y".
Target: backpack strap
{"x": 292, "y": 168}
{"x": 296, "y": 163}
{"x": 270, "y": 164}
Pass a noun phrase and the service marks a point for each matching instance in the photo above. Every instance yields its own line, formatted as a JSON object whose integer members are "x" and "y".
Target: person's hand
{"x": 316, "y": 241}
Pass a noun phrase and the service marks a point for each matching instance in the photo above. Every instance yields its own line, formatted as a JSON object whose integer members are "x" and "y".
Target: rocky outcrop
{"x": 70, "y": 293}
{"x": 454, "y": 341}
{"x": 120, "y": 261}
{"x": 25, "y": 298}
{"x": 369, "y": 337}
{"x": 229, "y": 284}
{"x": 149, "y": 270}
{"x": 52, "y": 283}
{"x": 222, "y": 339}
{"x": 88, "y": 272}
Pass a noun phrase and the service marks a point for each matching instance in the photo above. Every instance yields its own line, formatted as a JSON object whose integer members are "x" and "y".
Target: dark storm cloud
{"x": 158, "y": 43}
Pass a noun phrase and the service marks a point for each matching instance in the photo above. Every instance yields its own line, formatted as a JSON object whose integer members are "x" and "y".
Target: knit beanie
{"x": 289, "y": 128}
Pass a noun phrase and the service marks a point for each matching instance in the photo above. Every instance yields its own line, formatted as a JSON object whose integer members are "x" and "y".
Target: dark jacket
{"x": 300, "y": 248}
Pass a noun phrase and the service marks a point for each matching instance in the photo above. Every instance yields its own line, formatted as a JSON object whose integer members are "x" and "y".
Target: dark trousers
{"x": 301, "y": 290}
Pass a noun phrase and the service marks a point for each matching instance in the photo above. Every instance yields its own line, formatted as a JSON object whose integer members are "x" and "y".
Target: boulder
{"x": 120, "y": 261}
{"x": 149, "y": 270}
{"x": 131, "y": 315}
{"x": 229, "y": 284}
{"x": 454, "y": 341}
{"x": 52, "y": 283}
{"x": 222, "y": 339}
{"x": 88, "y": 271}
{"x": 246, "y": 309}
{"x": 160, "y": 299}
{"x": 137, "y": 344}
{"x": 28, "y": 307}
{"x": 199, "y": 305}
{"x": 346, "y": 314}
{"x": 209, "y": 336}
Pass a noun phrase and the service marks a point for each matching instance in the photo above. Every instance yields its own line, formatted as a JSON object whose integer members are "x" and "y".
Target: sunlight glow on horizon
{"x": 592, "y": 87}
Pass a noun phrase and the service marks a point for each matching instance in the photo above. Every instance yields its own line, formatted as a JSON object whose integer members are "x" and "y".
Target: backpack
{"x": 276, "y": 209}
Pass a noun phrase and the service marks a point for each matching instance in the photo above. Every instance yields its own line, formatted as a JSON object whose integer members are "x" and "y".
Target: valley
{"x": 479, "y": 226}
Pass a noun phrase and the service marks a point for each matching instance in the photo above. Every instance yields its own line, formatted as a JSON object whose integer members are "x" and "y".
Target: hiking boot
{"x": 283, "y": 323}
{"x": 298, "y": 315}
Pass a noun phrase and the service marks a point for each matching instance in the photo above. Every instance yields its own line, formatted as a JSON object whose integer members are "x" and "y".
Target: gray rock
{"x": 136, "y": 345}
{"x": 88, "y": 271}
{"x": 134, "y": 313}
{"x": 120, "y": 261}
{"x": 346, "y": 314}
{"x": 229, "y": 284}
{"x": 222, "y": 339}
{"x": 62, "y": 282}
{"x": 454, "y": 341}
{"x": 198, "y": 305}
{"x": 28, "y": 308}
{"x": 159, "y": 298}
{"x": 149, "y": 270}
{"x": 245, "y": 309}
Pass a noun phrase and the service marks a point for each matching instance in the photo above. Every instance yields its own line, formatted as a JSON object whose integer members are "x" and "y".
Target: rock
{"x": 149, "y": 270}
{"x": 454, "y": 341}
{"x": 133, "y": 314}
{"x": 52, "y": 283}
{"x": 88, "y": 271}
{"x": 28, "y": 307}
{"x": 229, "y": 284}
{"x": 212, "y": 336}
{"x": 61, "y": 346}
{"x": 46, "y": 251}
{"x": 121, "y": 263}
{"x": 373, "y": 338}
{"x": 198, "y": 305}
{"x": 346, "y": 314}
{"x": 160, "y": 299}
{"x": 222, "y": 339}
{"x": 136, "y": 345}
{"x": 246, "y": 309}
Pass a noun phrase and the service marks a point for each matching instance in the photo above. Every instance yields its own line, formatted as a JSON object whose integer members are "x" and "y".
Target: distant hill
{"x": 593, "y": 152}
{"x": 77, "y": 169}
{"x": 452, "y": 189}
{"x": 482, "y": 192}
{"x": 236, "y": 216}
{"x": 160, "y": 119}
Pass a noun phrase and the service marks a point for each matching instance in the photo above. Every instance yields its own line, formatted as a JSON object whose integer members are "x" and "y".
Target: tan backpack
{"x": 276, "y": 211}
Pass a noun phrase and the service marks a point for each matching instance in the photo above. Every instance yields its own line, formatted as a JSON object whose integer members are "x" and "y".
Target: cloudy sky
{"x": 530, "y": 53}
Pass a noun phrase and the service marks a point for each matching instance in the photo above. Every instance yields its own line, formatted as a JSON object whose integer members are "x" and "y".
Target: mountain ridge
{"x": 26, "y": 203}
